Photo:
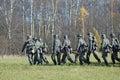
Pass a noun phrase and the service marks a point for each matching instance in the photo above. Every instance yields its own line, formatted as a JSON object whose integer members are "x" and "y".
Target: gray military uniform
{"x": 92, "y": 46}
{"x": 56, "y": 50}
{"x": 66, "y": 48}
{"x": 38, "y": 51}
{"x": 29, "y": 45}
{"x": 43, "y": 50}
{"x": 105, "y": 48}
{"x": 81, "y": 49}
{"x": 115, "y": 48}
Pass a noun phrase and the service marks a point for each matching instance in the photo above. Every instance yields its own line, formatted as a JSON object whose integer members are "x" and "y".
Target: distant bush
{"x": 98, "y": 38}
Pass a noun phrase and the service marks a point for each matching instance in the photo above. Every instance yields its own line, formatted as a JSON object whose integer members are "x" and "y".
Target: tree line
{"x": 43, "y": 18}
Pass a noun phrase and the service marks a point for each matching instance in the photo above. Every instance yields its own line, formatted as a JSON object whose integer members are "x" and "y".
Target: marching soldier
{"x": 56, "y": 50}
{"x": 43, "y": 50}
{"x": 66, "y": 47}
{"x": 81, "y": 49}
{"x": 38, "y": 51}
{"x": 92, "y": 46}
{"x": 115, "y": 48}
{"x": 29, "y": 45}
{"x": 105, "y": 46}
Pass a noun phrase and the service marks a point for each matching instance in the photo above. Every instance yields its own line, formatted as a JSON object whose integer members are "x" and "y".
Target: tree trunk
{"x": 31, "y": 15}
{"x": 70, "y": 13}
{"x": 23, "y": 19}
{"x": 83, "y": 28}
{"x": 78, "y": 2}
{"x": 53, "y": 24}
{"x": 112, "y": 2}
{"x": 8, "y": 18}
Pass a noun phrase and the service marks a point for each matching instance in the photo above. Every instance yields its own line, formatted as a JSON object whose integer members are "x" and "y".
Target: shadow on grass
{"x": 102, "y": 64}
{"x": 91, "y": 64}
{"x": 67, "y": 64}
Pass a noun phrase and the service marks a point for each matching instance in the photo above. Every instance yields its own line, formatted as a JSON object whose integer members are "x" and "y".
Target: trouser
{"x": 66, "y": 55}
{"x": 114, "y": 56}
{"x": 94, "y": 54}
{"x": 76, "y": 57}
{"x": 104, "y": 56}
{"x": 43, "y": 58}
{"x": 53, "y": 57}
{"x": 30, "y": 58}
{"x": 82, "y": 58}
{"x": 40, "y": 57}
{"x": 37, "y": 57}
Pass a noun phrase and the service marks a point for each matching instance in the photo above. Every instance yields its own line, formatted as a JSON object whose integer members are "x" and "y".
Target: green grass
{"x": 18, "y": 68}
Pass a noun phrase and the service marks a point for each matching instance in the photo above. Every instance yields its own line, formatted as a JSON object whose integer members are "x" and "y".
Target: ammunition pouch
{"x": 116, "y": 48}
{"x": 83, "y": 48}
{"x": 107, "y": 49}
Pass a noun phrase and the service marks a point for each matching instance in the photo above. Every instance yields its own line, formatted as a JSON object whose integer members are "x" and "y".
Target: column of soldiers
{"x": 61, "y": 51}
{"x": 35, "y": 50}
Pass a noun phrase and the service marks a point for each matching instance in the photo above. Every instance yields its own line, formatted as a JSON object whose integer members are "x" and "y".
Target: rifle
{"x": 74, "y": 52}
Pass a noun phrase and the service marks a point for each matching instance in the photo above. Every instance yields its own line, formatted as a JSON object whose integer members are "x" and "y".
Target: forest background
{"x": 43, "y": 18}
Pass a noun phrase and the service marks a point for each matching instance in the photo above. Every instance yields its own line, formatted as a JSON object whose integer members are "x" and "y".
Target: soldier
{"x": 56, "y": 50}
{"x": 105, "y": 46}
{"x": 81, "y": 49}
{"x": 92, "y": 46}
{"x": 38, "y": 51}
{"x": 115, "y": 48}
{"x": 42, "y": 49}
{"x": 29, "y": 45}
{"x": 66, "y": 47}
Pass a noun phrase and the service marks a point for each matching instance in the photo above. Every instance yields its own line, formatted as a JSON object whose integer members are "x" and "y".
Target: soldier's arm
{"x": 102, "y": 44}
{"x": 117, "y": 41}
{"x": 78, "y": 45}
{"x": 96, "y": 44}
{"x": 63, "y": 44}
{"x": 90, "y": 44}
{"x": 110, "y": 46}
{"x": 53, "y": 46}
{"x": 24, "y": 46}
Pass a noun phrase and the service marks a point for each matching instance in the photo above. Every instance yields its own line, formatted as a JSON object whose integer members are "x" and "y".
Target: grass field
{"x": 18, "y": 68}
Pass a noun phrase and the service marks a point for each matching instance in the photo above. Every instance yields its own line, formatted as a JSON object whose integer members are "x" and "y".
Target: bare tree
{"x": 31, "y": 15}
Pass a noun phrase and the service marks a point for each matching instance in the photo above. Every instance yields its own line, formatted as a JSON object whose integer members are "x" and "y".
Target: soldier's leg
{"x": 104, "y": 56}
{"x": 58, "y": 58}
{"x": 80, "y": 58}
{"x": 63, "y": 60}
{"x": 30, "y": 59}
{"x": 96, "y": 56}
{"x": 53, "y": 58}
{"x": 116, "y": 56}
{"x": 69, "y": 57}
{"x": 88, "y": 56}
{"x": 113, "y": 58}
{"x": 35, "y": 58}
{"x": 84, "y": 59}
{"x": 39, "y": 58}
{"x": 64, "y": 56}
{"x": 76, "y": 57}
{"x": 44, "y": 58}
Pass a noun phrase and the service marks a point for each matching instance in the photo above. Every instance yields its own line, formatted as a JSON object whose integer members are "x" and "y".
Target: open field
{"x": 18, "y": 68}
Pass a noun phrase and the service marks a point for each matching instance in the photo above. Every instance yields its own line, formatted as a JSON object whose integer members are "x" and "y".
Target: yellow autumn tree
{"x": 98, "y": 38}
{"x": 83, "y": 14}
